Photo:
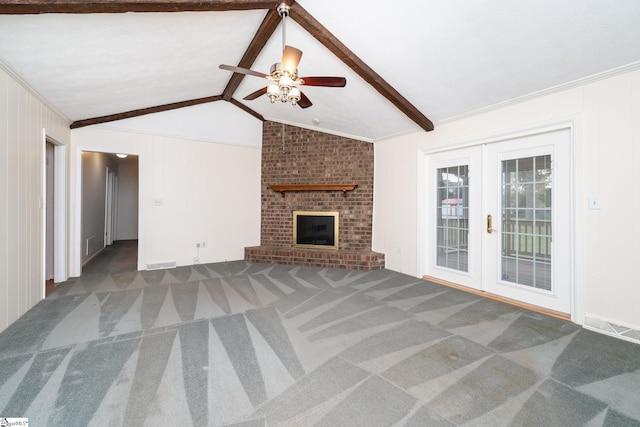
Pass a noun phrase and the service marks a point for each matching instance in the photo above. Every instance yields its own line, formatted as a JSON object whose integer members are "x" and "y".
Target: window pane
{"x": 527, "y": 185}
{"x": 452, "y": 213}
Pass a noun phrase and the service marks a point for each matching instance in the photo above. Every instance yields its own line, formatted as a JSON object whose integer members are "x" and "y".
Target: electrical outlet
{"x": 204, "y": 244}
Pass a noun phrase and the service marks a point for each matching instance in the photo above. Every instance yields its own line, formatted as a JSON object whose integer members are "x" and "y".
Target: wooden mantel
{"x": 283, "y": 188}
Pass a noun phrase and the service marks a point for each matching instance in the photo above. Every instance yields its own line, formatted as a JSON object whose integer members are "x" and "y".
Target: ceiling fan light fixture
{"x": 285, "y": 83}
{"x": 294, "y": 95}
{"x": 273, "y": 92}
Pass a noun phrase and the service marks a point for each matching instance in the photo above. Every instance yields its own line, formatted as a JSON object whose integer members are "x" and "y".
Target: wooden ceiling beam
{"x": 29, "y": 7}
{"x": 143, "y": 111}
{"x": 266, "y": 29}
{"x": 324, "y": 36}
{"x": 247, "y": 109}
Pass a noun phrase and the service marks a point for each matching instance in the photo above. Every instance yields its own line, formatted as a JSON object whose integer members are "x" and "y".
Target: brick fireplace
{"x": 315, "y": 160}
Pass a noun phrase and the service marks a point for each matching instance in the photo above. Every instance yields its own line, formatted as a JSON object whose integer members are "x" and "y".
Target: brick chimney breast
{"x": 311, "y": 157}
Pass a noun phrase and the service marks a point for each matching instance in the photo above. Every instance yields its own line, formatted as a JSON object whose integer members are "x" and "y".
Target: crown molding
{"x": 15, "y": 76}
{"x": 548, "y": 91}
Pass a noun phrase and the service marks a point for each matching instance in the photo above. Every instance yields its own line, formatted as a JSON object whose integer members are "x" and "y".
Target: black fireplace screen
{"x": 315, "y": 229}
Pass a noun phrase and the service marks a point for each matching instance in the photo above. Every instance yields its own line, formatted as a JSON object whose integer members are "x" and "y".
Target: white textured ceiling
{"x": 447, "y": 58}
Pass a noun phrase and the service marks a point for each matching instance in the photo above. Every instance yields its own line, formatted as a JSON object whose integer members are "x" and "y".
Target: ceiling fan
{"x": 284, "y": 74}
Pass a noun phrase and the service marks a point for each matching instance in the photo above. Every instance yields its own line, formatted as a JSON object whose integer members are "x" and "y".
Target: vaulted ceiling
{"x": 408, "y": 64}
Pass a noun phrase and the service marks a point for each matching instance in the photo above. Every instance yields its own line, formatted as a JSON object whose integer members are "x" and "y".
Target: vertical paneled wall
{"x": 22, "y": 120}
{"x": 611, "y": 156}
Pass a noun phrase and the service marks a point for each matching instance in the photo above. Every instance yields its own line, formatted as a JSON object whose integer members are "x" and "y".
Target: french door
{"x": 454, "y": 215}
{"x": 498, "y": 218}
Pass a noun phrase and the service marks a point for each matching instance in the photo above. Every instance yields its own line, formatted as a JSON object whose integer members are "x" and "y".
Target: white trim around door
{"x": 467, "y": 181}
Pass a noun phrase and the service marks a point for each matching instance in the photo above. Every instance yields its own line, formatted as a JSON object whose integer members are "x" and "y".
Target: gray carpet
{"x": 270, "y": 345}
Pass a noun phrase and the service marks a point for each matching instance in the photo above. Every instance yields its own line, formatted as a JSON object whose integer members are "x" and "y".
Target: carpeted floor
{"x": 269, "y": 345}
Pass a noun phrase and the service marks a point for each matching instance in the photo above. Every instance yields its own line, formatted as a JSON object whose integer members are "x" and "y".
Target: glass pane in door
{"x": 526, "y": 221}
{"x": 452, "y": 213}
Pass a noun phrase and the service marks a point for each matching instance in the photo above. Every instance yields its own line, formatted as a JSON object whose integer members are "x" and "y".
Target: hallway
{"x": 121, "y": 257}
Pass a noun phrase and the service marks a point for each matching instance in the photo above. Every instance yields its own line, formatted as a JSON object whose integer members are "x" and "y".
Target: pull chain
{"x": 283, "y": 138}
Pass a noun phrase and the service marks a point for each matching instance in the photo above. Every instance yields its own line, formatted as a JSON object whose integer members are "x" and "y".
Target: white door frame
{"x": 574, "y": 124}
{"x": 60, "y": 273}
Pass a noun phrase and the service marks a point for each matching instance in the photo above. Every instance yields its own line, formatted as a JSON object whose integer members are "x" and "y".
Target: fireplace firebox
{"x": 315, "y": 230}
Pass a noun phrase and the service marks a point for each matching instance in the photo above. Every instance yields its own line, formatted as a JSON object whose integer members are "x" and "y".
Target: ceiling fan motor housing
{"x": 276, "y": 72}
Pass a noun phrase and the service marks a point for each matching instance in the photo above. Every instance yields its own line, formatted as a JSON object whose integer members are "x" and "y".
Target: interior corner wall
{"x": 191, "y": 192}
{"x": 23, "y": 117}
{"x": 610, "y": 150}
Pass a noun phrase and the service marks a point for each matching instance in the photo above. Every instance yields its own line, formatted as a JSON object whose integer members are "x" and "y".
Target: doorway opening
{"x": 109, "y": 215}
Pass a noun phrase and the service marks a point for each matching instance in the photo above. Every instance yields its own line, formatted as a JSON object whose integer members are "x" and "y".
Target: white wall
{"x": 208, "y": 192}
{"x": 22, "y": 120}
{"x": 610, "y": 113}
{"x": 220, "y": 122}
{"x": 127, "y": 215}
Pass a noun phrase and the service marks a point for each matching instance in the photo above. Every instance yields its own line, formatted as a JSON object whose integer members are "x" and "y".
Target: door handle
{"x": 490, "y": 228}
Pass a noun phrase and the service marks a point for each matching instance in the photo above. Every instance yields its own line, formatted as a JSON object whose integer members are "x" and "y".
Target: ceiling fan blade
{"x": 324, "y": 81}
{"x": 304, "y": 101}
{"x": 290, "y": 59}
{"x": 256, "y": 94}
{"x": 243, "y": 71}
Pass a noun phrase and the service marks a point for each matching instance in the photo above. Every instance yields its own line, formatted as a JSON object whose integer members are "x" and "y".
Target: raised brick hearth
{"x": 310, "y": 157}
{"x": 357, "y": 260}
